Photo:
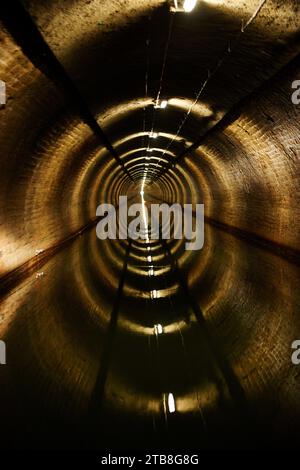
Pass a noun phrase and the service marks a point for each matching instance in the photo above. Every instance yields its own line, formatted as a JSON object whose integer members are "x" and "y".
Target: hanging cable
{"x": 229, "y": 49}
{"x": 165, "y": 57}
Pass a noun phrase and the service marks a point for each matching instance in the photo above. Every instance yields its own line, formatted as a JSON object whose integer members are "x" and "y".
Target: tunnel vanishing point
{"x": 140, "y": 343}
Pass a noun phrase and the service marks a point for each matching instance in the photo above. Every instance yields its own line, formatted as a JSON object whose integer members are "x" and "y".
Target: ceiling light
{"x": 158, "y": 329}
{"x": 185, "y": 6}
{"x": 154, "y": 294}
{"x": 171, "y": 403}
{"x": 149, "y": 258}
{"x": 151, "y": 271}
{"x": 189, "y": 5}
{"x": 153, "y": 135}
{"x": 161, "y": 104}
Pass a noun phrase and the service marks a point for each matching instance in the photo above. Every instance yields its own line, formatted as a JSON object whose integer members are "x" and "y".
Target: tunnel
{"x": 124, "y": 343}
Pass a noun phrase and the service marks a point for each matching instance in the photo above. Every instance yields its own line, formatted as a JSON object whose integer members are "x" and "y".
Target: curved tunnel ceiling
{"x": 78, "y": 314}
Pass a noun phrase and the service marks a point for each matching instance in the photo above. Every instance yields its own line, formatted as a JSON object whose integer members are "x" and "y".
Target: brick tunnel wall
{"x": 53, "y": 175}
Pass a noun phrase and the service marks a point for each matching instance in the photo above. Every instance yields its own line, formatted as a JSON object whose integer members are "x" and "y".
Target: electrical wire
{"x": 161, "y": 80}
{"x": 229, "y": 49}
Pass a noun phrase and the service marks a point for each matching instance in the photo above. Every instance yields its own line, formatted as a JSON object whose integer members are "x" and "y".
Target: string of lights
{"x": 158, "y": 104}
{"x": 147, "y": 68}
{"x": 231, "y": 46}
{"x": 146, "y": 78}
{"x": 179, "y": 5}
